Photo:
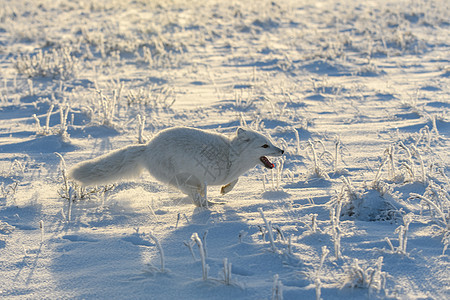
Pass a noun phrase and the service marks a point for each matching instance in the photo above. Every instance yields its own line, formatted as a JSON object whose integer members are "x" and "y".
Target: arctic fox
{"x": 186, "y": 158}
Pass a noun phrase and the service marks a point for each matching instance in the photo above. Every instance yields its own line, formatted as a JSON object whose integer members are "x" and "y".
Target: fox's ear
{"x": 240, "y": 131}
{"x": 242, "y": 134}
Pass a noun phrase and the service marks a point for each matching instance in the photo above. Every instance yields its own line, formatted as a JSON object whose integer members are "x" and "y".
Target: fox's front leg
{"x": 200, "y": 197}
{"x": 228, "y": 187}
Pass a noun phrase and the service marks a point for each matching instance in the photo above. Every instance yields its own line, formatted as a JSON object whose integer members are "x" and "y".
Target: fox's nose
{"x": 282, "y": 151}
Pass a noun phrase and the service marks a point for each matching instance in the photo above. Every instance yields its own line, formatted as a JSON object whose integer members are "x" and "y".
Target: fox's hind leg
{"x": 228, "y": 187}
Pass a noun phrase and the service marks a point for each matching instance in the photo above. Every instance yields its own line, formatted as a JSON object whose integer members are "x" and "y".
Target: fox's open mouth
{"x": 266, "y": 162}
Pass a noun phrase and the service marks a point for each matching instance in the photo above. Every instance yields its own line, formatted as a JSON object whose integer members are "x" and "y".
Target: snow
{"x": 356, "y": 93}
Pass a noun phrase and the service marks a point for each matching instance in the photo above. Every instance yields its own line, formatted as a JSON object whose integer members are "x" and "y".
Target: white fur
{"x": 186, "y": 158}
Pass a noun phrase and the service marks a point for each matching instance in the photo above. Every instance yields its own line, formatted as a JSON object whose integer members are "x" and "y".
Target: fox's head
{"x": 255, "y": 147}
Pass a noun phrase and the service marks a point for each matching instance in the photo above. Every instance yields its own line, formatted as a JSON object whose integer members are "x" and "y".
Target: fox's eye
{"x": 265, "y": 146}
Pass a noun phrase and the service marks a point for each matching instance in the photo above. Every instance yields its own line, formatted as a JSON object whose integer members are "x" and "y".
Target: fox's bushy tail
{"x": 122, "y": 163}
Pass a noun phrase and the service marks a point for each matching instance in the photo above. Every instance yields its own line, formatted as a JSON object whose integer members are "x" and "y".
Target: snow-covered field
{"x": 356, "y": 92}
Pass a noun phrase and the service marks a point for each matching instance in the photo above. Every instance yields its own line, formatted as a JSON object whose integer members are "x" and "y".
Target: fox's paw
{"x": 205, "y": 203}
{"x": 211, "y": 203}
{"x": 228, "y": 187}
{"x": 208, "y": 203}
{"x": 224, "y": 189}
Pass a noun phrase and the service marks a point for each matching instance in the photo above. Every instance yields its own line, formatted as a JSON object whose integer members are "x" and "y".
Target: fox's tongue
{"x": 266, "y": 162}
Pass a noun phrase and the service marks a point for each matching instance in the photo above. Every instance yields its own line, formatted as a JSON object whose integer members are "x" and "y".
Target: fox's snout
{"x": 278, "y": 151}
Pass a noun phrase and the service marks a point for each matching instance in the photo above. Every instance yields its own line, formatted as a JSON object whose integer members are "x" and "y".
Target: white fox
{"x": 186, "y": 158}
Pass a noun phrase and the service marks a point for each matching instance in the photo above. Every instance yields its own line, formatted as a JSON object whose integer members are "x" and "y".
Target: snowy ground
{"x": 356, "y": 93}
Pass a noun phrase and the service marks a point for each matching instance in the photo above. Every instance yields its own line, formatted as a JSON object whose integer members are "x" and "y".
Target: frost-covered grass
{"x": 356, "y": 93}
